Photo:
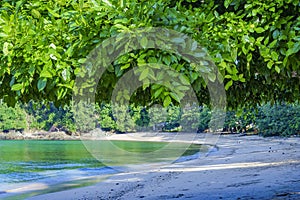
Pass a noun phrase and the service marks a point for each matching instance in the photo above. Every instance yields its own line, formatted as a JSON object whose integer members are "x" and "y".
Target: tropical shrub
{"x": 190, "y": 118}
{"x": 268, "y": 120}
{"x": 204, "y": 118}
{"x": 85, "y": 117}
{"x": 12, "y": 118}
{"x": 44, "y": 116}
{"x": 279, "y": 120}
{"x": 106, "y": 119}
{"x": 173, "y": 119}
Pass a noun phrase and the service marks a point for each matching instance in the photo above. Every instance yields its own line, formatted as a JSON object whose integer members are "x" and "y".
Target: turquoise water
{"x": 48, "y": 166}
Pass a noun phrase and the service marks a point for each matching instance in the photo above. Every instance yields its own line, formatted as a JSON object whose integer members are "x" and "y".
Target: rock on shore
{"x": 41, "y": 135}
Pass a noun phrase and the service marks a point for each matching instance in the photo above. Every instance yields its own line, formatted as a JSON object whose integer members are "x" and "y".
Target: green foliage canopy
{"x": 255, "y": 44}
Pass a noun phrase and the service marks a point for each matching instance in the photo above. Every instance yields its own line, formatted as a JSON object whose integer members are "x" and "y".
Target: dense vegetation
{"x": 255, "y": 45}
{"x": 267, "y": 120}
{"x": 46, "y": 45}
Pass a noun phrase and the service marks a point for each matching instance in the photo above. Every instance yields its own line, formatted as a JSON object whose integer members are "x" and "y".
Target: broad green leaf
{"x": 235, "y": 77}
{"x": 53, "y": 13}
{"x": 228, "y": 69}
{"x": 144, "y": 42}
{"x": 274, "y": 56}
{"x": 228, "y": 84}
{"x": 184, "y": 79}
{"x": 259, "y": 39}
{"x": 175, "y": 97}
{"x": 270, "y": 64}
{"x": 272, "y": 44}
{"x": 266, "y": 41}
{"x": 276, "y": 34}
{"x": 167, "y": 60}
{"x": 152, "y": 60}
{"x": 227, "y": 3}
{"x": 272, "y": 9}
{"x": 277, "y": 69}
{"x": 249, "y": 57}
{"x": 194, "y": 76}
{"x": 223, "y": 65}
{"x": 36, "y": 13}
{"x": 126, "y": 66}
{"x": 241, "y": 78}
{"x": 294, "y": 49}
{"x": 259, "y": 30}
{"x": 42, "y": 82}
{"x": 144, "y": 74}
{"x": 17, "y": 87}
{"x": 167, "y": 101}
{"x": 45, "y": 74}
{"x": 158, "y": 92}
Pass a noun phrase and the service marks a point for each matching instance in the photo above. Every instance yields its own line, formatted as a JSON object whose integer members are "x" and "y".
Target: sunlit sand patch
{"x": 27, "y": 188}
{"x": 232, "y": 166}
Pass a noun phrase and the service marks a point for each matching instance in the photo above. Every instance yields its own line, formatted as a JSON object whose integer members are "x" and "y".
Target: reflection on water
{"x": 49, "y": 166}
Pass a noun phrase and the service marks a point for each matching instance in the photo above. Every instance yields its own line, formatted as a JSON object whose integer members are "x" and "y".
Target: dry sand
{"x": 248, "y": 167}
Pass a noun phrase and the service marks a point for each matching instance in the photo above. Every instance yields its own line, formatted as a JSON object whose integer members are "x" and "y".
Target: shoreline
{"x": 42, "y": 187}
{"x": 249, "y": 167}
{"x": 98, "y": 134}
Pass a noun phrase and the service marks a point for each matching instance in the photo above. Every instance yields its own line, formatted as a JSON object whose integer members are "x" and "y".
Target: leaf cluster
{"x": 255, "y": 45}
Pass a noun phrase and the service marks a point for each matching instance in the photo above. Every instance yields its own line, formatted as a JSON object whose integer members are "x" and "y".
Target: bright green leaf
{"x": 272, "y": 44}
{"x": 126, "y": 66}
{"x": 227, "y": 3}
{"x": 270, "y": 64}
{"x": 167, "y": 101}
{"x": 45, "y": 74}
{"x": 259, "y": 30}
{"x": 175, "y": 97}
{"x": 17, "y": 87}
{"x": 158, "y": 92}
{"x": 228, "y": 84}
{"x": 274, "y": 56}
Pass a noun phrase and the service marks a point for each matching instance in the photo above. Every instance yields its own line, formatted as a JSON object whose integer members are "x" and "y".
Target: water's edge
{"x": 60, "y": 182}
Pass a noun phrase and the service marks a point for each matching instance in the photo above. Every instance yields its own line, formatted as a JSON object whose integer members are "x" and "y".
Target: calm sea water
{"x": 35, "y": 167}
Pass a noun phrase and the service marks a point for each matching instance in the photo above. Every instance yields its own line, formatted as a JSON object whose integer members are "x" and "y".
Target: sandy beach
{"x": 247, "y": 167}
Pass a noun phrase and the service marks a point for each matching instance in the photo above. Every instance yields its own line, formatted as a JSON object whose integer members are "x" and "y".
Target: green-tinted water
{"x": 59, "y": 163}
